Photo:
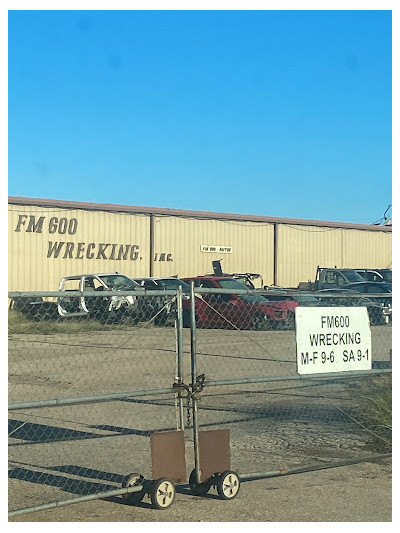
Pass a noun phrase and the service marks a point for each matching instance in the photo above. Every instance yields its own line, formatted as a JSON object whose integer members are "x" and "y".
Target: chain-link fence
{"x": 281, "y": 421}
{"x": 92, "y": 376}
{"x": 90, "y": 379}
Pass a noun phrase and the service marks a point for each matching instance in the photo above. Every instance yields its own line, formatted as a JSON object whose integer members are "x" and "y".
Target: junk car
{"x": 91, "y": 302}
{"x": 163, "y": 308}
{"x": 232, "y": 310}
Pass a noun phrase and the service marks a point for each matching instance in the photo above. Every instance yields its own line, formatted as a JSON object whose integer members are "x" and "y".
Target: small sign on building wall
{"x": 332, "y": 339}
{"x": 216, "y": 248}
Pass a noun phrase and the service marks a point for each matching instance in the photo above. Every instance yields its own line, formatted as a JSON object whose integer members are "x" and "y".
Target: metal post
{"x": 194, "y": 375}
{"x": 151, "y": 265}
{"x": 275, "y": 254}
{"x": 179, "y": 361}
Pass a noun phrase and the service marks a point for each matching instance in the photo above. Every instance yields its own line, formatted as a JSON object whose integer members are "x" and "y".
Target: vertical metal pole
{"x": 179, "y": 362}
{"x": 151, "y": 266}
{"x": 194, "y": 375}
{"x": 275, "y": 254}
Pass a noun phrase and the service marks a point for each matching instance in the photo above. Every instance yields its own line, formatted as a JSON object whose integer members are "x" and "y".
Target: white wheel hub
{"x": 165, "y": 494}
{"x": 230, "y": 485}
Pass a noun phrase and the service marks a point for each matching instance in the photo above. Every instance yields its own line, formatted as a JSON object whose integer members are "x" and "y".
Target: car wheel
{"x": 186, "y": 319}
{"x": 161, "y": 319}
{"x": 260, "y": 322}
{"x": 376, "y": 317}
{"x": 291, "y": 322}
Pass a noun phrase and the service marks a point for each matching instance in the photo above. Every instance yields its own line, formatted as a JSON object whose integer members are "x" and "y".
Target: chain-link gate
{"x": 90, "y": 387}
{"x": 282, "y": 422}
{"x": 90, "y": 379}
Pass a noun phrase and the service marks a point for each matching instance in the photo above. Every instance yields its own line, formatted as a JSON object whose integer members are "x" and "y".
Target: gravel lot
{"x": 60, "y": 452}
{"x": 357, "y": 493}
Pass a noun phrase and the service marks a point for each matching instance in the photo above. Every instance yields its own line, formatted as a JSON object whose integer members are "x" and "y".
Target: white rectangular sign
{"x": 216, "y": 248}
{"x": 332, "y": 339}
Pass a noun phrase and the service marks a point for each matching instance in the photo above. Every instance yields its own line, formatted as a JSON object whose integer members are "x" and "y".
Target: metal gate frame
{"x": 191, "y": 392}
{"x": 176, "y": 390}
{"x": 199, "y": 383}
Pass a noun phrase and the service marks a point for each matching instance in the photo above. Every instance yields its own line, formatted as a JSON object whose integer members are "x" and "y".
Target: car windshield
{"x": 230, "y": 283}
{"x": 387, "y": 275}
{"x": 172, "y": 284}
{"x": 253, "y": 298}
{"x": 119, "y": 283}
{"x": 235, "y": 285}
{"x": 245, "y": 281}
{"x": 352, "y": 276}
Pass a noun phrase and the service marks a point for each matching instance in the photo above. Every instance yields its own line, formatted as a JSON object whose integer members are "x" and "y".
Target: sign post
{"x": 332, "y": 339}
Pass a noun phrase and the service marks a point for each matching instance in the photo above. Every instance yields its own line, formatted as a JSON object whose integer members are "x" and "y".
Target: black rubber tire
{"x": 161, "y": 319}
{"x": 260, "y": 322}
{"x": 198, "y": 489}
{"x": 162, "y": 493}
{"x": 291, "y": 321}
{"x": 376, "y": 317}
{"x": 187, "y": 320}
{"x": 228, "y": 485}
{"x": 131, "y": 480}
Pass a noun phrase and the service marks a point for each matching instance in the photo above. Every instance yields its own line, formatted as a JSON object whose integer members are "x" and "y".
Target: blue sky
{"x": 274, "y": 113}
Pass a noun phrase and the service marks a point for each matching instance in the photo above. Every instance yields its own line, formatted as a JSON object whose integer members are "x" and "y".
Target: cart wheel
{"x": 132, "y": 480}
{"x": 162, "y": 493}
{"x": 198, "y": 489}
{"x": 228, "y": 485}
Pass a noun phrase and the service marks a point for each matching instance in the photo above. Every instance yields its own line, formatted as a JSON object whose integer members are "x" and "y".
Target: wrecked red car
{"x": 232, "y": 310}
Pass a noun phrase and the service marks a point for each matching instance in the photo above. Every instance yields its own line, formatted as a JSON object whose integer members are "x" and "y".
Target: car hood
{"x": 286, "y": 304}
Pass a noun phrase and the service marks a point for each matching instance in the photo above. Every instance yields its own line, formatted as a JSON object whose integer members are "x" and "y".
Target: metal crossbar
{"x": 137, "y": 361}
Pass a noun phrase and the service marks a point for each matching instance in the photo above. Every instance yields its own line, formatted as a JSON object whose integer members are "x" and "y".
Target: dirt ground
{"x": 58, "y": 452}
{"x": 355, "y": 493}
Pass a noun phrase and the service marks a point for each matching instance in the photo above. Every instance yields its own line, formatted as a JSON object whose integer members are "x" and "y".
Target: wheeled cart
{"x": 169, "y": 469}
{"x": 211, "y": 448}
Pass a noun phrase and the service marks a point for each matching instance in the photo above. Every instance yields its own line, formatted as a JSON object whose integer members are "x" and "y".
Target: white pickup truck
{"x": 92, "y": 302}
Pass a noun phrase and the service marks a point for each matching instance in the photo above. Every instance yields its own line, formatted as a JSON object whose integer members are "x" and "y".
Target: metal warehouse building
{"x": 49, "y": 239}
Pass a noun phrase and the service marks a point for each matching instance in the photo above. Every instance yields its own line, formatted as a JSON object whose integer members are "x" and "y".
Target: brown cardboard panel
{"x": 168, "y": 455}
{"x": 214, "y": 452}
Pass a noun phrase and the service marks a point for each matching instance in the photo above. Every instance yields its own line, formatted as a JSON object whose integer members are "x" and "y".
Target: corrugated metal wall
{"x": 47, "y": 243}
{"x": 251, "y": 246}
{"x": 302, "y": 248}
{"x": 367, "y": 249}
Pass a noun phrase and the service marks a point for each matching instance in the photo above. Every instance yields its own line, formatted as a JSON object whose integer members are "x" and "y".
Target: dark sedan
{"x": 376, "y": 296}
{"x": 370, "y": 287}
{"x": 380, "y": 274}
{"x": 162, "y": 310}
